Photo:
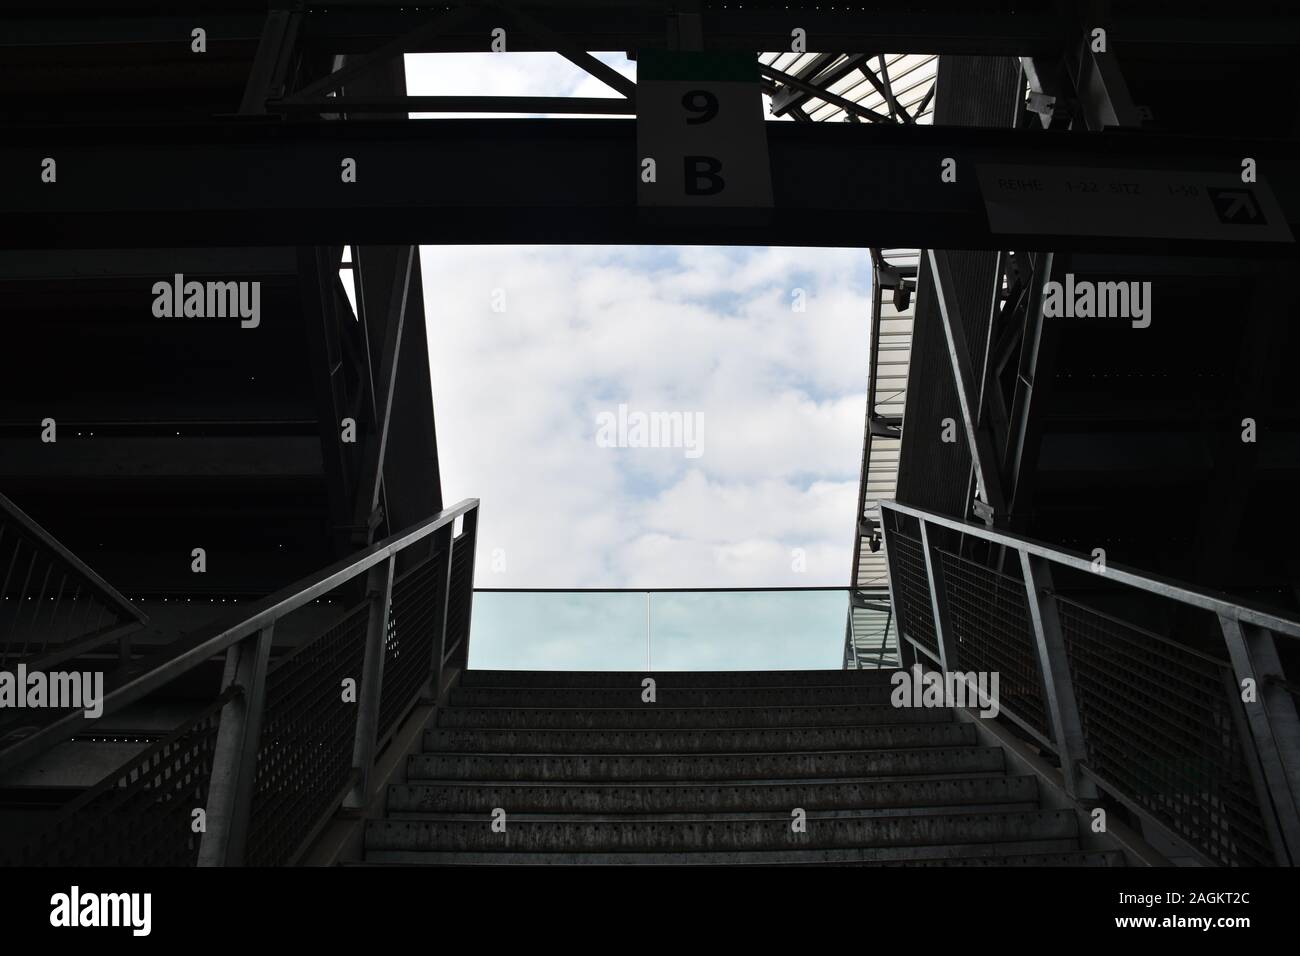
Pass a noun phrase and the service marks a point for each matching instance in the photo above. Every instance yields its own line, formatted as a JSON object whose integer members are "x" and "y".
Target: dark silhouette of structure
{"x": 235, "y": 514}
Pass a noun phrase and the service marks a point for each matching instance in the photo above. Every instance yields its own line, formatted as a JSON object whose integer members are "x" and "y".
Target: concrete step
{"x": 713, "y": 816}
{"x": 990, "y": 855}
{"x": 1067, "y": 858}
{"x": 868, "y": 694}
{"x": 704, "y": 767}
{"x": 754, "y": 833}
{"x": 726, "y": 740}
{"x": 675, "y": 679}
{"x": 713, "y": 798}
{"x": 652, "y": 716}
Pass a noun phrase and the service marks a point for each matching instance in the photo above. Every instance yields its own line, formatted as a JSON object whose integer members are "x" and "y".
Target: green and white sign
{"x": 701, "y": 140}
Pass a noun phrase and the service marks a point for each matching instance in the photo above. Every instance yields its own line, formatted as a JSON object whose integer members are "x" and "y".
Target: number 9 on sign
{"x": 702, "y": 103}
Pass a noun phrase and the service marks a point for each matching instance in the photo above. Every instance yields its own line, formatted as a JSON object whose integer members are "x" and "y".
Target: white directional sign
{"x": 1161, "y": 204}
{"x": 701, "y": 140}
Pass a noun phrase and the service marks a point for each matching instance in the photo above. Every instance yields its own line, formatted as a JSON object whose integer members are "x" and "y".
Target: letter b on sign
{"x": 700, "y": 117}
{"x": 701, "y": 175}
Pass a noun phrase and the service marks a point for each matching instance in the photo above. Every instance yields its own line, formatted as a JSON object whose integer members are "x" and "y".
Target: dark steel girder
{"x": 978, "y": 27}
{"x": 643, "y": 25}
{"x": 785, "y": 97}
{"x": 254, "y": 182}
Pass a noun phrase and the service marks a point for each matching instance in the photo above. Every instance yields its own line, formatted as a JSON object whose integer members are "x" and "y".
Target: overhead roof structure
{"x": 825, "y": 87}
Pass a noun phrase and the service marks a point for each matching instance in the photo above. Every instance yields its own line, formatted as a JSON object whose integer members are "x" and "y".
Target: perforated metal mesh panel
{"x": 413, "y": 622}
{"x": 912, "y": 589}
{"x": 1161, "y": 724}
{"x": 461, "y": 591}
{"x": 308, "y": 731}
{"x": 141, "y": 814}
{"x": 44, "y": 600}
{"x": 989, "y": 630}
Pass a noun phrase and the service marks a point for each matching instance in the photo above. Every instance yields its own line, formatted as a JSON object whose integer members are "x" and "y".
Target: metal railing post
{"x": 649, "y": 659}
{"x": 379, "y": 594}
{"x": 938, "y": 600}
{"x": 234, "y": 759}
{"x": 1054, "y": 669}
{"x": 469, "y": 540}
{"x": 907, "y": 656}
{"x": 1271, "y": 717}
{"x": 440, "y": 641}
{"x": 850, "y": 650}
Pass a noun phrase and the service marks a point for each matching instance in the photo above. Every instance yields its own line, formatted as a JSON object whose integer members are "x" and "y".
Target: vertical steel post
{"x": 906, "y": 652}
{"x": 1271, "y": 717}
{"x": 440, "y": 639}
{"x": 457, "y": 656}
{"x": 379, "y": 595}
{"x": 850, "y": 652}
{"x": 469, "y": 532}
{"x": 648, "y": 658}
{"x": 1054, "y": 668}
{"x": 234, "y": 760}
{"x": 938, "y": 601}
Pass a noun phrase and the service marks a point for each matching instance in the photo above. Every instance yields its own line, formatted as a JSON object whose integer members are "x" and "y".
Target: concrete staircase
{"x": 711, "y": 773}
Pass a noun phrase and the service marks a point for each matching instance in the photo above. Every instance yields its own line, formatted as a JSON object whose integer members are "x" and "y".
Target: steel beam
{"x": 882, "y": 86}
{"x": 556, "y": 181}
{"x": 348, "y": 105}
{"x": 371, "y": 478}
{"x": 983, "y": 27}
{"x": 270, "y": 65}
{"x": 575, "y": 54}
{"x": 785, "y": 97}
{"x": 317, "y": 278}
{"x": 1024, "y": 436}
{"x": 812, "y": 90}
{"x": 987, "y": 473}
{"x": 399, "y": 45}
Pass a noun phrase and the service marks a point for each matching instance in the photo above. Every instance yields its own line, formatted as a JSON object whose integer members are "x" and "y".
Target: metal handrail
{"x": 1220, "y": 604}
{"x": 105, "y": 590}
{"x": 139, "y": 678}
{"x": 1267, "y": 726}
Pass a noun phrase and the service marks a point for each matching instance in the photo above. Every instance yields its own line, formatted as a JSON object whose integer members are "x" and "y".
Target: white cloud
{"x": 697, "y": 330}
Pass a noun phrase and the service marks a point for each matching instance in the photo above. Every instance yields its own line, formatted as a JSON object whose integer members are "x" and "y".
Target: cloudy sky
{"x": 708, "y": 332}
{"x": 529, "y": 346}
